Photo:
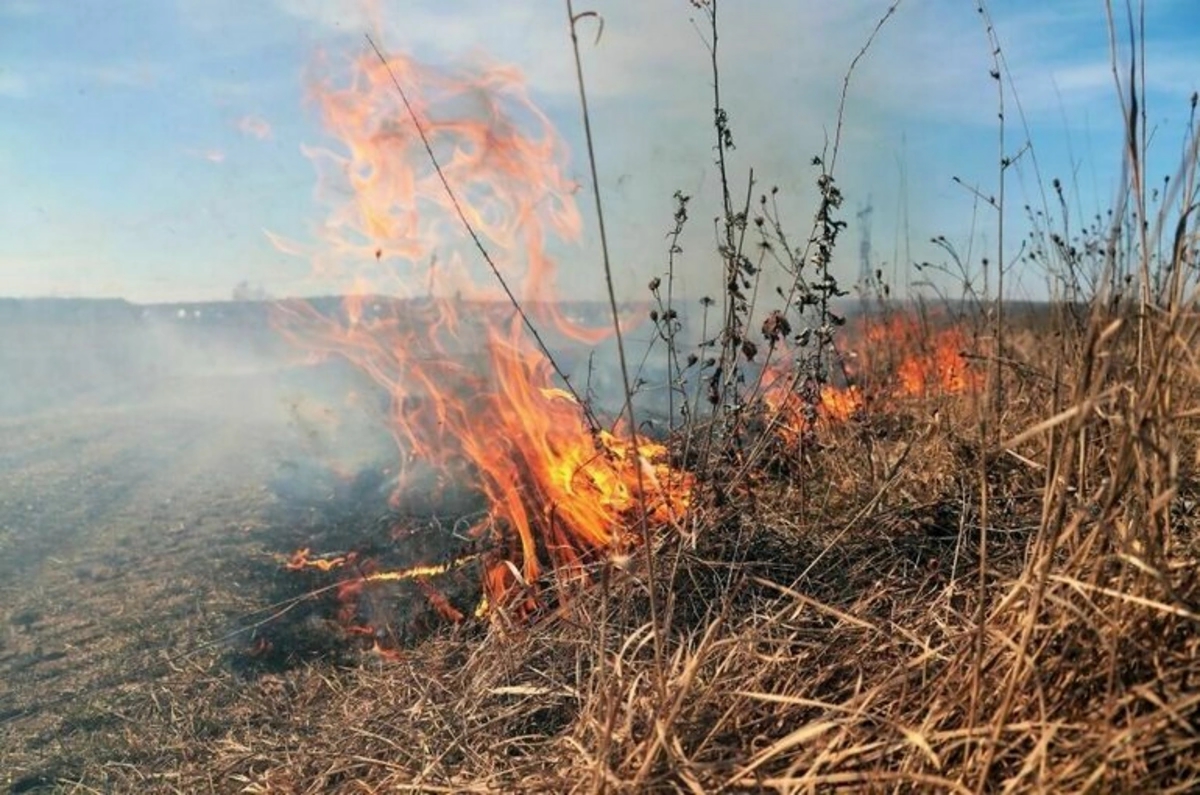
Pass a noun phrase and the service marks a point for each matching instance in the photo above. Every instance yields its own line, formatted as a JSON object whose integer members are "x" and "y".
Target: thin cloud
{"x": 133, "y": 75}
{"x": 224, "y": 90}
{"x": 21, "y": 8}
{"x": 214, "y": 156}
{"x": 13, "y": 86}
{"x": 255, "y": 127}
{"x": 140, "y": 75}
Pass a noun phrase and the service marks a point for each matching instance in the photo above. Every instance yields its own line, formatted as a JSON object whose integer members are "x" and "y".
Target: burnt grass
{"x": 861, "y": 613}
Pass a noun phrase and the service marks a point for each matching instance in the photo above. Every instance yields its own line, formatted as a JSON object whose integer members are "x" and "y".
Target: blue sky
{"x": 146, "y": 146}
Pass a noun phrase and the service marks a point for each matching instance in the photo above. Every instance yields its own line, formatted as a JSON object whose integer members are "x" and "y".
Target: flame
{"x": 795, "y": 414}
{"x": 896, "y": 358}
{"x": 471, "y": 394}
{"x": 926, "y": 360}
{"x": 300, "y": 561}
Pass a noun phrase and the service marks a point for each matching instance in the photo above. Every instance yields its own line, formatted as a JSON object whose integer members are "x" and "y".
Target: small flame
{"x": 927, "y": 361}
{"x": 897, "y": 359}
{"x": 793, "y": 411}
{"x": 299, "y": 561}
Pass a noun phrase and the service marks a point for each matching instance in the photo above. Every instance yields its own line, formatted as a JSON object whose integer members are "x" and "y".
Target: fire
{"x": 300, "y": 561}
{"x": 894, "y": 359}
{"x": 926, "y": 360}
{"x": 795, "y": 414}
{"x": 470, "y": 392}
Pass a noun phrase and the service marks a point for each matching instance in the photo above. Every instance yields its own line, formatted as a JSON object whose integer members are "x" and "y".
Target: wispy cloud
{"x": 21, "y": 8}
{"x": 348, "y": 15}
{"x": 13, "y": 85}
{"x": 132, "y": 75}
{"x": 229, "y": 90}
{"x": 214, "y": 156}
{"x": 140, "y": 74}
{"x": 254, "y": 127}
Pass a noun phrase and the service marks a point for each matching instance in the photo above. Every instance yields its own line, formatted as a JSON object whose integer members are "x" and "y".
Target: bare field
{"x": 140, "y": 519}
{"x": 127, "y": 534}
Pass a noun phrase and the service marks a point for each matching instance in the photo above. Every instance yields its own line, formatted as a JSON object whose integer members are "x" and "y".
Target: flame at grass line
{"x": 896, "y": 358}
{"x": 791, "y": 409}
{"x": 470, "y": 392}
{"x": 919, "y": 359}
{"x": 926, "y": 361}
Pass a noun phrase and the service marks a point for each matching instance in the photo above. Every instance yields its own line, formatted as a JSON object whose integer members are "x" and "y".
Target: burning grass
{"x": 820, "y": 627}
{"x": 903, "y": 577}
{"x": 875, "y": 631}
{"x": 880, "y": 568}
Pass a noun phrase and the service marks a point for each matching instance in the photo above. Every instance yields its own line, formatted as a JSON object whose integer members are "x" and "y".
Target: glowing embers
{"x": 407, "y": 577}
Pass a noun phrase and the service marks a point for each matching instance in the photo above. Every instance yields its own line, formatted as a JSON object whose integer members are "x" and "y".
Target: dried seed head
{"x": 776, "y": 327}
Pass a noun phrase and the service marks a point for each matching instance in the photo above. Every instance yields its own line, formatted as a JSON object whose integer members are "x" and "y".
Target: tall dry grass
{"x": 992, "y": 592}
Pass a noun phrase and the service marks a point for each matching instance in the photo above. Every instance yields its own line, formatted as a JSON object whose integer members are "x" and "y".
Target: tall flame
{"x": 470, "y": 393}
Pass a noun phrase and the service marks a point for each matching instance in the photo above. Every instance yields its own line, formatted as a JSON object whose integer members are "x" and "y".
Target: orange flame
{"x": 469, "y": 391}
{"x": 926, "y": 360}
{"x": 300, "y": 561}
{"x": 791, "y": 409}
{"x": 897, "y": 358}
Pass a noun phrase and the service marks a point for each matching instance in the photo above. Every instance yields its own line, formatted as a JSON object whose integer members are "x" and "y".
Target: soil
{"x": 128, "y": 536}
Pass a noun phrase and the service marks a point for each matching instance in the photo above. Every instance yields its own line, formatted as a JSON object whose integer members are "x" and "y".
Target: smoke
{"x": 212, "y": 363}
{"x": 216, "y": 364}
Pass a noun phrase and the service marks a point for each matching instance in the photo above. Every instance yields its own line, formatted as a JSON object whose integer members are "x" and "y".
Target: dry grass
{"x": 827, "y": 626}
{"x": 993, "y": 592}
